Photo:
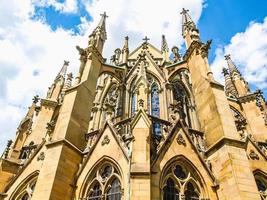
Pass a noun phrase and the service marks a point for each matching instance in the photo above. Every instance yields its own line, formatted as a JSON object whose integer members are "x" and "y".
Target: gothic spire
{"x": 164, "y": 45}
{"x": 63, "y": 71}
{"x": 99, "y": 35}
{"x": 187, "y": 22}
{"x": 229, "y": 86}
{"x": 231, "y": 66}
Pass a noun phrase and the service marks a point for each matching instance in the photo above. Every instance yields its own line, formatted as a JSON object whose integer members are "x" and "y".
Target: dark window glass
{"x": 190, "y": 193}
{"x": 106, "y": 172}
{"x": 114, "y": 193}
{"x": 179, "y": 172}
{"x": 133, "y": 103}
{"x": 261, "y": 186}
{"x": 96, "y": 193}
{"x": 25, "y": 197}
{"x": 169, "y": 191}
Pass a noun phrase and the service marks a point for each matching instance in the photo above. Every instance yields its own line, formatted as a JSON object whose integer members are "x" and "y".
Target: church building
{"x": 148, "y": 124}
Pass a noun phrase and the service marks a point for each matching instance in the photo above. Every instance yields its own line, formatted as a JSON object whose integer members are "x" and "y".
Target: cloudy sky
{"x": 37, "y": 35}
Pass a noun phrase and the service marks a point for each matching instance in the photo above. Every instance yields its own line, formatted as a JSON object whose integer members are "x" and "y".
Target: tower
{"x": 146, "y": 125}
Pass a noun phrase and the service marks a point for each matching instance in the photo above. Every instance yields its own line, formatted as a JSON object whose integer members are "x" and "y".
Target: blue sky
{"x": 37, "y": 35}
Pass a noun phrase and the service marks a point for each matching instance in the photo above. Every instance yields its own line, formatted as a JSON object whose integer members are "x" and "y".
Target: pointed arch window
{"x": 26, "y": 192}
{"x": 155, "y": 108}
{"x": 170, "y": 192}
{"x": 133, "y": 102}
{"x": 105, "y": 184}
{"x": 114, "y": 192}
{"x": 182, "y": 102}
{"x": 180, "y": 183}
{"x": 95, "y": 193}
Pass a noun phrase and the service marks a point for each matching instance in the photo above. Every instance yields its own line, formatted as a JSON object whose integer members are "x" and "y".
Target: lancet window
{"x": 181, "y": 102}
{"x": 180, "y": 183}
{"x": 113, "y": 100}
{"x": 154, "y": 103}
{"x": 133, "y": 103}
{"x": 105, "y": 185}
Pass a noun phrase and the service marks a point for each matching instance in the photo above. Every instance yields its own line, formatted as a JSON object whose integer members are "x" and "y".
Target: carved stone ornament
{"x": 180, "y": 140}
{"x": 106, "y": 140}
{"x": 41, "y": 156}
{"x": 253, "y": 155}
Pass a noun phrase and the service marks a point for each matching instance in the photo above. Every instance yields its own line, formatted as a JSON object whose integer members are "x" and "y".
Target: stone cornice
{"x": 247, "y": 98}
{"x": 49, "y": 103}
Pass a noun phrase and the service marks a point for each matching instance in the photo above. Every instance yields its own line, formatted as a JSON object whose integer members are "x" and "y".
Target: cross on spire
{"x": 146, "y": 39}
{"x": 184, "y": 11}
{"x": 104, "y": 15}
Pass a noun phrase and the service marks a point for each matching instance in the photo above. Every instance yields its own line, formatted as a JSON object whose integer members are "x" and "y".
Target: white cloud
{"x": 249, "y": 52}
{"x": 29, "y": 47}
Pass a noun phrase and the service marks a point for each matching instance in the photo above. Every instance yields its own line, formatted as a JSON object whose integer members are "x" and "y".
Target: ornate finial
{"x": 184, "y": 11}
{"x": 141, "y": 103}
{"x": 69, "y": 76}
{"x": 35, "y": 99}
{"x": 164, "y": 45}
{"x": 227, "y": 57}
{"x": 225, "y": 71}
{"x": 176, "y": 55}
{"x": 146, "y": 39}
{"x": 66, "y": 62}
{"x": 126, "y": 38}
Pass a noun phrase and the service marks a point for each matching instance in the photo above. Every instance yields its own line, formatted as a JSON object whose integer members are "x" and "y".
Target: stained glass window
{"x": 190, "y": 193}
{"x": 133, "y": 103}
{"x": 95, "y": 193}
{"x": 169, "y": 191}
{"x": 155, "y": 109}
{"x": 114, "y": 193}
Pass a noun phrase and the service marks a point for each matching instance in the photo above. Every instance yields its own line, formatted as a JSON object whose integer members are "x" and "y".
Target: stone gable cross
{"x": 146, "y": 39}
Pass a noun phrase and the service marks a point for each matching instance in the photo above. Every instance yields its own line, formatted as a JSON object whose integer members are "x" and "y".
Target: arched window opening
{"x": 181, "y": 102}
{"x": 25, "y": 197}
{"x": 262, "y": 186}
{"x": 95, "y": 193}
{"x": 191, "y": 192}
{"x": 114, "y": 193}
{"x": 181, "y": 182}
{"x": 155, "y": 111}
{"x": 170, "y": 192}
{"x": 133, "y": 102}
{"x": 106, "y": 184}
{"x": 25, "y": 192}
{"x": 113, "y": 100}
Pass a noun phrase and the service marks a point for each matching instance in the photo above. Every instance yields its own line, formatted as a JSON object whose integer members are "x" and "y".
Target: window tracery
{"x": 261, "y": 183}
{"x": 105, "y": 185}
{"x": 26, "y": 192}
{"x": 180, "y": 183}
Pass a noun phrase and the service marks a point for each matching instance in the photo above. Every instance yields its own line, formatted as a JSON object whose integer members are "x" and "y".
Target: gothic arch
{"x": 182, "y": 172}
{"x": 93, "y": 176}
{"x": 25, "y": 186}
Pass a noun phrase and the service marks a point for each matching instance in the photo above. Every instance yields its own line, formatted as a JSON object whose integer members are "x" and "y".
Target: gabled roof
{"x": 151, "y": 48}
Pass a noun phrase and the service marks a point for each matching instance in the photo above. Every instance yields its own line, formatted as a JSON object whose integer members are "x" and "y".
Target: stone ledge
{"x": 225, "y": 141}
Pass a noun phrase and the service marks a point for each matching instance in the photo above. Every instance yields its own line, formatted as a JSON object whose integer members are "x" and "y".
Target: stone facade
{"x": 145, "y": 125}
